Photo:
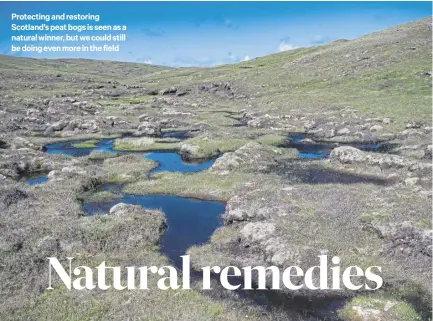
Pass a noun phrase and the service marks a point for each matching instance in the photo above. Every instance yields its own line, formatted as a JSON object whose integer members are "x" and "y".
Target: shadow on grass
{"x": 305, "y": 172}
{"x": 320, "y": 149}
{"x": 279, "y": 302}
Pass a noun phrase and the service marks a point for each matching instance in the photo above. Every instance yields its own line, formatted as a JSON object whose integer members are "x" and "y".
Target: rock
{"x": 252, "y": 156}
{"x": 223, "y": 90}
{"x": 411, "y": 181}
{"x": 250, "y": 207}
{"x": 120, "y": 209}
{"x": 329, "y": 133}
{"x": 19, "y": 142}
{"x": 173, "y": 112}
{"x": 167, "y": 91}
{"x": 365, "y": 308}
{"x": 189, "y": 149}
{"x": 35, "y": 120}
{"x": 53, "y": 174}
{"x": 148, "y": 129}
{"x": 182, "y": 92}
{"x": 310, "y": 125}
{"x": 387, "y": 121}
{"x": 47, "y": 246}
{"x": 143, "y": 117}
{"x": 351, "y": 155}
{"x": 234, "y": 210}
{"x": 259, "y": 231}
{"x": 86, "y": 107}
{"x": 410, "y": 132}
{"x": 75, "y": 170}
{"x": 226, "y": 163}
{"x": 307, "y": 141}
{"x": 376, "y": 128}
{"x": 266, "y": 121}
{"x": 90, "y": 126}
{"x": 413, "y": 124}
{"x": 74, "y": 123}
{"x": 122, "y": 124}
{"x": 280, "y": 254}
{"x": 49, "y": 131}
{"x": 347, "y": 154}
{"x": 343, "y": 131}
{"x": 32, "y": 111}
{"x": 57, "y": 126}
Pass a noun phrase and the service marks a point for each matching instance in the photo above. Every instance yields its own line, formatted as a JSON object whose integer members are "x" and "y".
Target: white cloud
{"x": 247, "y": 58}
{"x": 145, "y": 60}
{"x": 285, "y": 46}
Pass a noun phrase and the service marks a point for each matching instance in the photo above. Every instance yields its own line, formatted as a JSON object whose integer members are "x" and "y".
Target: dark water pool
{"x": 180, "y": 134}
{"x": 172, "y": 162}
{"x": 190, "y": 221}
{"x": 67, "y": 148}
{"x": 36, "y": 180}
{"x": 314, "y": 150}
{"x": 168, "y": 161}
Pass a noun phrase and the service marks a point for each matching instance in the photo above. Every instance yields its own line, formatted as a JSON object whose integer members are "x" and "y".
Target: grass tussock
{"x": 145, "y": 144}
{"x": 271, "y": 139}
{"x": 101, "y": 155}
{"x": 126, "y": 168}
{"x": 202, "y": 185}
{"x": 91, "y": 143}
{"x": 208, "y": 148}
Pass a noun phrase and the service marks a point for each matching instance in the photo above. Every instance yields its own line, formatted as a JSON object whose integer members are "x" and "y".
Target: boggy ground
{"x": 368, "y": 208}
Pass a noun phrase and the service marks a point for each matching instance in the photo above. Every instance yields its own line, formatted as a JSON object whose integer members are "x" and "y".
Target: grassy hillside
{"x": 384, "y": 73}
{"x": 387, "y": 73}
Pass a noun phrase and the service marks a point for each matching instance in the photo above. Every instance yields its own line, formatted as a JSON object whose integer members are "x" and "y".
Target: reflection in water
{"x": 313, "y": 150}
{"x": 172, "y": 162}
{"x": 67, "y": 148}
{"x": 181, "y": 134}
{"x": 190, "y": 221}
{"x": 37, "y": 180}
{"x": 168, "y": 161}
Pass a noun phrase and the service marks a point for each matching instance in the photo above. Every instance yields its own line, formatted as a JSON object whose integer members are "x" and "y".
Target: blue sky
{"x": 213, "y": 33}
